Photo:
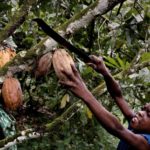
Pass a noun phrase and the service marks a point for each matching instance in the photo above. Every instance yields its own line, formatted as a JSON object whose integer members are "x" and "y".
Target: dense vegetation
{"x": 120, "y": 34}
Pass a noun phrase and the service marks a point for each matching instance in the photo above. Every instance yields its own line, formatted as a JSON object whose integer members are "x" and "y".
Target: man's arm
{"x": 115, "y": 91}
{"x": 106, "y": 119}
{"x": 112, "y": 86}
{"x": 113, "y": 126}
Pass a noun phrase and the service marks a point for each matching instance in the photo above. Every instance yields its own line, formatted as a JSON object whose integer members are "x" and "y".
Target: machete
{"x": 53, "y": 34}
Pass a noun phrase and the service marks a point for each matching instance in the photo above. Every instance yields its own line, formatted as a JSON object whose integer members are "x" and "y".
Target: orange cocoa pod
{"x": 62, "y": 61}
{"x": 12, "y": 93}
{"x": 6, "y": 55}
{"x": 43, "y": 65}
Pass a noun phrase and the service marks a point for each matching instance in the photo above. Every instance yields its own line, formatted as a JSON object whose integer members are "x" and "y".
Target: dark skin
{"x": 139, "y": 121}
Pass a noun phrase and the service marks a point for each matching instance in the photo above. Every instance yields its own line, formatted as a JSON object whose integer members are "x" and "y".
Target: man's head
{"x": 141, "y": 121}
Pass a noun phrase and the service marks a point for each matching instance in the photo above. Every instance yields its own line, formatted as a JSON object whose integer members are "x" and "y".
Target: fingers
{"x": 95, "y": 59}
{"x": 67, "y": 74}
{"x": 75, "y": 71}
{"x": 92, "y": 65}
{"x": 70, "y": 75}
{"x": 65, "y": 83}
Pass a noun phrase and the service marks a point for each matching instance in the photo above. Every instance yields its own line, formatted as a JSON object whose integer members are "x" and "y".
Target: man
{"x": 137, "y": 137}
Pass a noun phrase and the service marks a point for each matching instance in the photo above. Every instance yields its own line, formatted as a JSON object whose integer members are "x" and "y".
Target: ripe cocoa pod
{"x": 12, "y": 93}
{"x": 62, "y": 61}
{"x": 6, "y": 55}
{"x": 43, "y": 65}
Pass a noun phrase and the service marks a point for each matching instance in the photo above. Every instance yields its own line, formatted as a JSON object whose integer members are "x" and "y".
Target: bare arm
{"x": 112, "y": 125}
{"x": 115, "y": 91}
{"x": 106, "y": 119}
{"x": 112, "y": 86}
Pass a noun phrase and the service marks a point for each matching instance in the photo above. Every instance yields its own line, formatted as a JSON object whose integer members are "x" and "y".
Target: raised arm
{"x": 75, "y": 83}
{"x": 112, "y": 86}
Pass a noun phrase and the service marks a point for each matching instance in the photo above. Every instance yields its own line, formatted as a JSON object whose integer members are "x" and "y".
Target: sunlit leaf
{"x": 121, "y": 62}
{"x": 145, "y": 57}
{"x": 110, "y": 65}
{"x": 89, "y": 113}
{"x": 112, "y": 61}
{"x": 64, "y": 101}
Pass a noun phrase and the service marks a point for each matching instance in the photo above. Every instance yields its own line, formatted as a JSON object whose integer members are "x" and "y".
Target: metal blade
{"x": 53, "y": 34}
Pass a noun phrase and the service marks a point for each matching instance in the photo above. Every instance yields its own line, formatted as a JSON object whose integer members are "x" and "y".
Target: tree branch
{"x": 19, "y": 138}
{"x": 49, "y": 128}
{"x": 17, "y": 19}
{"x": 25, "y": 59}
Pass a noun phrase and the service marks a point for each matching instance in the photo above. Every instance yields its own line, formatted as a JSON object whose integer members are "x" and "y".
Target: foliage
{"x": 118, "y": 38}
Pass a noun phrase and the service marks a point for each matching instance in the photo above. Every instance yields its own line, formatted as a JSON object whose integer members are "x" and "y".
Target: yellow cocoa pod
{"x": 43, "y": 65}
{"x": 12, "y": 93}
{"x": 62, "y": 61}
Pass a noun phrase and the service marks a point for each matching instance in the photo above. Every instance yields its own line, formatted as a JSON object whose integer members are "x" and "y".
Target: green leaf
{"x": 127, "y": 65}
{"x": 112, "y": 61}
{"x": 121, "y": 62}
{"x": 110, "y": 65}
{"x": 64, "y": 101}
{"x": 89, "y": 113}
{"x": 145, "y": 57}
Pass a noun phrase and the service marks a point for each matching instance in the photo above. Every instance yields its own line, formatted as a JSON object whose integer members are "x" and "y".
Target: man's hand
{"x": 75, "y": 83}
{"x": 98, "y": 65}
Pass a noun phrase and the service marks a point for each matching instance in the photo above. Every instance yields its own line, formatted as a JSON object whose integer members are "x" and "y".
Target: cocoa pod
{"x": 12, "y": 93}
{"x": 62, "y": 61}
{"x": 6, "y": 55}
{"x": 43, "y": 65}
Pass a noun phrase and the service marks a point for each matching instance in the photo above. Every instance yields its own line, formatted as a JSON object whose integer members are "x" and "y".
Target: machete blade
{"x": 53, "y": 34}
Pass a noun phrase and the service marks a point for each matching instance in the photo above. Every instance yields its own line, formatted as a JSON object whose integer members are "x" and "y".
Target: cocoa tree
{"x": 98, "y": 21}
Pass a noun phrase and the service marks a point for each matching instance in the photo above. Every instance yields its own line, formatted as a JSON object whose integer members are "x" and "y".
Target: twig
{"x": 136, "y": 8}
{"x": 53, "y": 126}
{"x": 18, "y": 138}
{"x": 121, "y": 4}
